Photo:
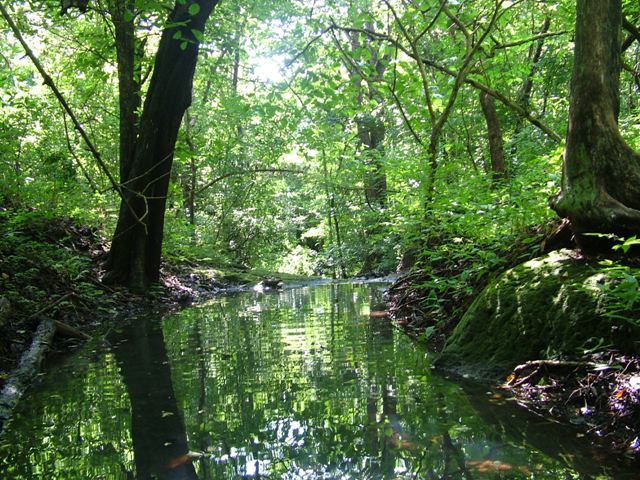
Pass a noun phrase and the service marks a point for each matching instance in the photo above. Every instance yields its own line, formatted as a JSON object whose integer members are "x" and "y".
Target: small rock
{"x": 271, "y": 282}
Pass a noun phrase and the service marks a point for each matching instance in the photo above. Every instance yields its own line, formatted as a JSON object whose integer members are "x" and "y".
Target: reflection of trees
{"x": 279, "y": 384}
{"x": 304, "y": 382}
{"x": 157, "y": 429}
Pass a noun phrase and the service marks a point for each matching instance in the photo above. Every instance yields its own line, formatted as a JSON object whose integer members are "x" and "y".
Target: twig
{"x": 51, "y": 305}
{"x": 69, "y": 331}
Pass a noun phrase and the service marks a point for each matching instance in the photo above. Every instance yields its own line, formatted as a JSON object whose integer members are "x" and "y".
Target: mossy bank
{"x": 558, "y": 305}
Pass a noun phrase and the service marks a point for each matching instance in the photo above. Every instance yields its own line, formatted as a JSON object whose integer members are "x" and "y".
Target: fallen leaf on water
{"x": 167, "y": 414}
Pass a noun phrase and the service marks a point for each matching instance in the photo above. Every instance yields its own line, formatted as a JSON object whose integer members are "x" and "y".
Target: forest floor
{"x": 50, "y": 267}
{"x": 598, "y": 392}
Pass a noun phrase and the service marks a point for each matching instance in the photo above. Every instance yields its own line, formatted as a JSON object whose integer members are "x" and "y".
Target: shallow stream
{"x": 309, "y": 383}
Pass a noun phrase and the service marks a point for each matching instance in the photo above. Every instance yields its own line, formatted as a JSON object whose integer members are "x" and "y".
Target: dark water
{"x": 304, "y": 384}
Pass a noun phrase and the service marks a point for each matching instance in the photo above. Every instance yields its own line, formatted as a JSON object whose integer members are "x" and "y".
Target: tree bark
{"x": 601, "y": 173}
{"x": 494, "y": 134}
{"x": 134, "y": 259}
{"x": 128, "y": 81}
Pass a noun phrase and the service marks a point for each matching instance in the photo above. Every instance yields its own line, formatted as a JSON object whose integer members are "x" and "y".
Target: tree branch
{"x": 511, "y": 105}
{"x": 540, "y": 36}
{"x": 634, "y": 34}
{"x": 245, "y": 172}
{"x": 49, "y": 82}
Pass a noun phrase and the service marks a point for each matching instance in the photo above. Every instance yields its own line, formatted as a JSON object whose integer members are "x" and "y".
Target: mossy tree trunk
{"x": 134, "y": 259}
{"x": 601, "y": 173}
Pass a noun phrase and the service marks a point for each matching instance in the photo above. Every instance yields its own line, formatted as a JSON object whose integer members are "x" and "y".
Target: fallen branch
{"x": 68, "y": 331}
{"x": 515, "y": 380}
{"x": 51, "y": 305}
{"x": 28, "y": 367}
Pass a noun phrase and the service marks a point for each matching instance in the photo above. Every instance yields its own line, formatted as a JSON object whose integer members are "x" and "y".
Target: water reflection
{"x": 157, "y": 430}
{"x": 305, "y": 384}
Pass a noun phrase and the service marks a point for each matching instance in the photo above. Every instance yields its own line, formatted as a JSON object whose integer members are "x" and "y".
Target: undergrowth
{"x": 46, "y": 269}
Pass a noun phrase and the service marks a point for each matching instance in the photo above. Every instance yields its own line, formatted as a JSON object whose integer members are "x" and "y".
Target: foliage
{"x": 274, "y": 145}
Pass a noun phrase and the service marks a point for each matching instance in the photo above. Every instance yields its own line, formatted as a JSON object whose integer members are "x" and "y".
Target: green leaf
{"x": 199, "y": 36}
{"x": 177, "y": 35}
{"x": 183, "y": 45}
{"x": 194, "y": 8}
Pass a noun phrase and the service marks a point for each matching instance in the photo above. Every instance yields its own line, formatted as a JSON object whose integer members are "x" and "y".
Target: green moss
{"x": 551, "y": 306}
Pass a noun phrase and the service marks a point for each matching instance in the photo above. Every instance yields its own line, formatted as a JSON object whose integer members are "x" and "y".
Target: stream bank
{"x": 52, "y": 296}
{"x": 557, "y": 331}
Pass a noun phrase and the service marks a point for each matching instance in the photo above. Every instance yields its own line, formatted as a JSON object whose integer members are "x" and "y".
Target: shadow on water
{"x": 304, "y": 384}
{"x": 556, "y": 440}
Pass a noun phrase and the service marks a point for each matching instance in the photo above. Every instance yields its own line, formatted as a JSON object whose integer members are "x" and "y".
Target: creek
{"x": 307, "y": 383}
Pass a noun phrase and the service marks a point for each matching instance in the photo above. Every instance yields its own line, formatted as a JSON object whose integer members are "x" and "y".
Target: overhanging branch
{"x": 49, "y": 82}
{"x": 510, "y": 104}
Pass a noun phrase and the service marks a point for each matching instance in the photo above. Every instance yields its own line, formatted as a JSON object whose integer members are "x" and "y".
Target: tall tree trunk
{"x": 128, "y": 80}
{"x": 601, "y": 173}
{"x": 134, "y": 259}
{"x": 494, "y": 134}
{"x": 535, "y": 54}
{"x": 371, "y": 133}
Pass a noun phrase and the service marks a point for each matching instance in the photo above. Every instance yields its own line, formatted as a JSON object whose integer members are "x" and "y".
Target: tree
{"x": 494, "y": 135}
{"x": 601, "y": 173}
{"x": 134, "y": 259}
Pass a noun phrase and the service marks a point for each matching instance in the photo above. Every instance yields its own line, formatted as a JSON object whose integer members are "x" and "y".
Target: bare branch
{"x": 307, "y": 46}
{"x": 540, "y": 36}
{"x": 634, "y": 34}
{"x": 404, "y": 117}
{"x": 511, "y": 105}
